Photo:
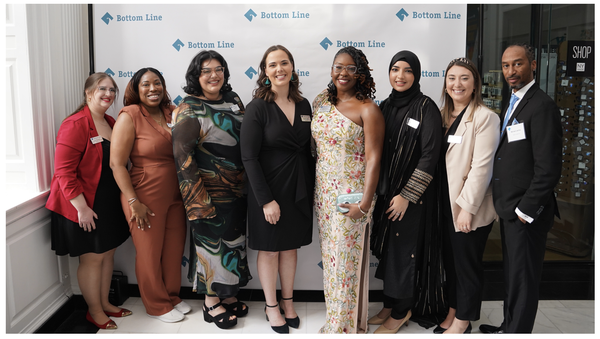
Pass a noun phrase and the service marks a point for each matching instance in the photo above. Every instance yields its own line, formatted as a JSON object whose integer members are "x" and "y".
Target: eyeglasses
{"x": 351, "y": 69}
{"x": 208, "y": 71}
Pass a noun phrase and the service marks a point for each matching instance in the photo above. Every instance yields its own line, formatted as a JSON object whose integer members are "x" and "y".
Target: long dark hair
{"x": 264, "y": 91}
{"x": 195, "y": 68}
{"x": 365, "y": 86}
{"x": 132, "y": 91}
{"x": 91, "y": 85}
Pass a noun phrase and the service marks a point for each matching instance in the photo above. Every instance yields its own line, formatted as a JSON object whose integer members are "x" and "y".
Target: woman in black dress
{"x": 405, "y": 229}
{"x": 87, "y": 220}
{"x": 275, "y": 143}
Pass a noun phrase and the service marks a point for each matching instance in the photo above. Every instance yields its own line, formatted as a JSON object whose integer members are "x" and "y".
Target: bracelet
{"x": 131, "y": 201}
{"x": 361, "y": 211}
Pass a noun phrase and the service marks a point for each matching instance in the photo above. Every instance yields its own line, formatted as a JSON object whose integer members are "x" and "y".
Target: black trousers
{"x": 463, "y": 259}
{"x": 400, "y": 307}
{"x": 523, "y": 250}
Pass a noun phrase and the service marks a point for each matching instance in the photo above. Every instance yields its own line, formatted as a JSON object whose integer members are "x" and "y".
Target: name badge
{"x": 305, "y": 118}
{"x": 455, "y": 139}
{"x": 96, "y": 140}
{"x": 515, "y": 132}
{"x": 235, "y": 108}
{"x": 324, "y": 108}
{"x": 413, "y": 123}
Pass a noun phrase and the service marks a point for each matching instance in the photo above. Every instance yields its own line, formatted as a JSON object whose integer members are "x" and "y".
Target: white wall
{"x": 38, "y": 282}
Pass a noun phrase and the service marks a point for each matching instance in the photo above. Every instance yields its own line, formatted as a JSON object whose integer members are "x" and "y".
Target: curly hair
{"x": 132, "y": 91}
{"x": 365, "y": 86}
{"x": 195, "y": 68}
{"x": 264, "y": 91}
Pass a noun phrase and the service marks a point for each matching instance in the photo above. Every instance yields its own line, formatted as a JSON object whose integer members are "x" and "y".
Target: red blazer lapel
{"x": 93, "y": 133}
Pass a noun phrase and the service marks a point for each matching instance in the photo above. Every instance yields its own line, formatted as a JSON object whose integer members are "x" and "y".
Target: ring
{"x": 398, "y": 213}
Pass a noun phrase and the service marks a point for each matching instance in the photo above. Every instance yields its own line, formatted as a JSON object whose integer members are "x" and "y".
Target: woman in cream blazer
{"x": 472, "y": 133}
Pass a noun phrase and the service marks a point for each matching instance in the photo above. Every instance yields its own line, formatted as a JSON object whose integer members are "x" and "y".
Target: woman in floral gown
{"x": 348, "y": 129}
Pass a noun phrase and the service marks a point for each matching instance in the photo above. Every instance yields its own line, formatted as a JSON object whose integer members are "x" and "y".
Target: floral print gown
{"x": 344, "y": 241}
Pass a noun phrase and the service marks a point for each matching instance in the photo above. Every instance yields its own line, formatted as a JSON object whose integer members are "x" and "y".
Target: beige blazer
{"x": 469, "y": 166}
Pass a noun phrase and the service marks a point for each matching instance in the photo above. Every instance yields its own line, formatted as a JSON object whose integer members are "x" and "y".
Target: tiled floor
{"x": 565, "y": 316}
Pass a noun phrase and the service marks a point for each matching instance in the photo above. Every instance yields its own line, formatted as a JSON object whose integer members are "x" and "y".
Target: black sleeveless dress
{"x": 111, "y": 227}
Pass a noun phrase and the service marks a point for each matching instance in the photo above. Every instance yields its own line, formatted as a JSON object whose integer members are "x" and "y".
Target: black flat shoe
{"x": 439, "y": 330}
{"x": 238, "y": 308}
{"x": 292, "y": 322}
{"x": 490, "y": 329}
{"x": 283, "y": 329}
{"x": 221, "y": 320}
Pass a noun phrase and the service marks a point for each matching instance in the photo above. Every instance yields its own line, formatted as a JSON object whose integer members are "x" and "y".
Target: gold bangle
{"x": 132, "y": 200}
{"x": 361, "y": 211}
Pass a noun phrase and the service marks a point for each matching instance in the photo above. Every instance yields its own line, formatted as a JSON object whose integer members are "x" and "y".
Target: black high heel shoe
{"x": 225, "y": 324}
{"x": 283, "y": 329}
{"x": 469, "y": 328}
{"x": 292, "y": 322}
{"x": 238, "y": 308}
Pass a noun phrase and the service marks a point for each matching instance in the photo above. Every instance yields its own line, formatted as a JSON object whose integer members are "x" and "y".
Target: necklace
{"x": 159, "y": 121}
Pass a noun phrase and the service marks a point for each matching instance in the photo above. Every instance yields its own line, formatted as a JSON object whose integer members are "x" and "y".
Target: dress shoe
{"x": 183, "y": 307}
{"x": 375, "y": 320}
{"x": 491, "y": 329}
{"x": 172, "y": 316}
{"x": 292, "y": 322}
{"x": 109, "y": 325}
{"x": 439, "y": 329}
{"x": 383, "y": 330}
{"x": 283, "y": 329}
{"x": 122, "y": 313}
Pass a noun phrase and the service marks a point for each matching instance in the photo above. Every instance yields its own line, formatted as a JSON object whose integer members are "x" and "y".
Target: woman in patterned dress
{"x": 211, "y": 179}
{"x": 348, "y": 129}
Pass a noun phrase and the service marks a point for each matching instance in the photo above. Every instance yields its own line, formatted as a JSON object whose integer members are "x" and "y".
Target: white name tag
{"x": 235, "y": 108}
{"x": 413, "y": 123}
{"x": 324, "y": 108}
{"x": 455, "y": 139}
{"x": 305, "y": 118}
{"x": 515, "y": 132}
{"x": 96, "y": 140}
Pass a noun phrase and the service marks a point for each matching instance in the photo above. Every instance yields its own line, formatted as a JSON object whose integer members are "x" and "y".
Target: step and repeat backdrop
{"x": 167, "y": 37}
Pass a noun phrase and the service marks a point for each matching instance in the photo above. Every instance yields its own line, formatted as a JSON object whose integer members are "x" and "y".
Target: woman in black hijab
{"x": 405, "y": 235}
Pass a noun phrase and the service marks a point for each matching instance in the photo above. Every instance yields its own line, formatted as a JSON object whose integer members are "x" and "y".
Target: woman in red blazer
{"x": 84, "y": 198}
{"x": 472, "y": 133}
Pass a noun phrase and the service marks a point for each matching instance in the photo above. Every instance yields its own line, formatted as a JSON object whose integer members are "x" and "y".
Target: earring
{"x": 267, "y": 82}
{"x": 292, "y": 77}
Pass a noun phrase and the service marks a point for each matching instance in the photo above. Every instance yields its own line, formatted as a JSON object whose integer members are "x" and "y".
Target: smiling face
{"x": 344, "y": 81}
{"x": 517, "y": 69}
{"x": 401, "y": 76}
{"x": 278, "y": 68}
{"x": 150, "y": 90}
{"x": 460, "y": 85}
{"x": 102, "y": 97}
{"x": 211, "y": 79}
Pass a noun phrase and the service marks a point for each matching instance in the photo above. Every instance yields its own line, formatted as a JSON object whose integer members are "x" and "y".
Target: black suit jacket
{"x": 526, "y": 171}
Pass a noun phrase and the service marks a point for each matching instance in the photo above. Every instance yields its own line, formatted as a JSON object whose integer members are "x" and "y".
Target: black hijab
{"x": 401, "y": 99}
{"x": 398, "y": 158}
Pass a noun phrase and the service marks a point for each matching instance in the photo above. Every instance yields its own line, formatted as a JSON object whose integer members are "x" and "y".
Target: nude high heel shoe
{"x": 383, "y": 330}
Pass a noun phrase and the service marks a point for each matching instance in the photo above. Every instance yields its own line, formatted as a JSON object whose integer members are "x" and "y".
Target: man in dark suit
{"x": 527, "y": 167}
